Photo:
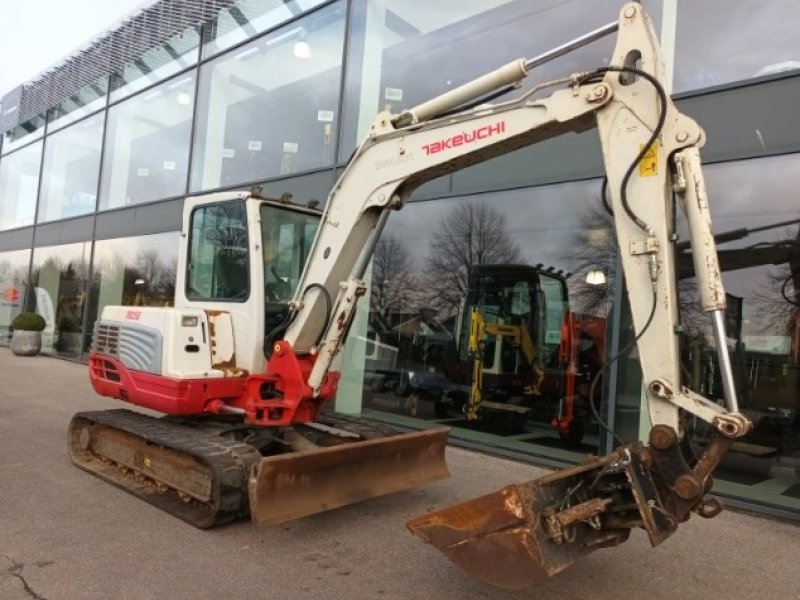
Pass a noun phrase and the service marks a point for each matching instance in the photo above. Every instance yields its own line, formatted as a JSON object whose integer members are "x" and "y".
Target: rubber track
{"x": 366, "y": 428}
{"x": 230, "y": 462}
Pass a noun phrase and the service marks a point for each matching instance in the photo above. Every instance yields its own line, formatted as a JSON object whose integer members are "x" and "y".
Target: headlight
{"x": 188, "y": 321}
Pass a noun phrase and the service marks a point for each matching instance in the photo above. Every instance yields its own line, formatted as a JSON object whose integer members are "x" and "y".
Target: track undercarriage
{"x": 211, "y": 471}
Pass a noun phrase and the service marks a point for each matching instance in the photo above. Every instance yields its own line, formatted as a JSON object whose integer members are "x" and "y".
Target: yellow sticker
{"x": 648, "y": 166}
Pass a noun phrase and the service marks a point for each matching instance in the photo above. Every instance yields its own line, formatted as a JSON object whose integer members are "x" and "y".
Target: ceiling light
{"x": 302, "y": 49}
{"x": 183, "y": 98}
{"x": 595, "y": 277}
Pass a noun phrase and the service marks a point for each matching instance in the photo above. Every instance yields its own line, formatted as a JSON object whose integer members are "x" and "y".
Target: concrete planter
{"x": 26, "y": 343}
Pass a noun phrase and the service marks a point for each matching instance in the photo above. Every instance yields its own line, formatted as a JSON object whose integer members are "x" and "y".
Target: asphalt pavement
{"x": 65, "y": 534}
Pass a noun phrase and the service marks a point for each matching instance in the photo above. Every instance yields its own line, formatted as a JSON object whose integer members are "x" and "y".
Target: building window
{"x": 269, "y": 108}
{"x": 23, "y": 134}
{"x": 719, "y": 42}
{"x": 518, "y": 261}
{"x": 13, "y": 288}
{"x": 402, "y": 54}
{"x": 757, "y": 225}
{"x": 175, "y": 55}
{"x": 133, "y": 271}
{"x": 70, "y": 170}
{"x": 247, "y": 19}
{"x": 147, "y": 145}
{"x": 19, "y": 181}
{"x": 84, "y": 102}
{"x": 59, "y": 281}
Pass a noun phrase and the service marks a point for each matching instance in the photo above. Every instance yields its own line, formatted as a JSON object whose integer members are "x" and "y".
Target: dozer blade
{"x": 298, "y": 484}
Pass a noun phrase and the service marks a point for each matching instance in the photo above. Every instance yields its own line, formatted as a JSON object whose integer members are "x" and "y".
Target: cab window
{"x": 218, "y": 253}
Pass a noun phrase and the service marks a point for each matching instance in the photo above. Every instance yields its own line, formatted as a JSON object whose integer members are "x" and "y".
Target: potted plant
{"x": 69, "y": 334}
{"x": 27, "y": 338}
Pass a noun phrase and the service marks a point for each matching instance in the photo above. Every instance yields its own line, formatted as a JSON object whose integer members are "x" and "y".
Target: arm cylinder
{"x": 706, "y": 264}
{"x": 704, "y": 251}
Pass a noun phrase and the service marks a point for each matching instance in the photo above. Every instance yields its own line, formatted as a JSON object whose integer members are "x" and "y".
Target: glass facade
{"x": 13, "y": 288}
{"x": 59, "y": 282}
{"x": 400, "y": 56}
{"x": 270, "y": 107}
{"x": 23, "y": 134}
{"x": 147, "y": 145}
{"x": 534, "y": 261}
{"x": 157, "y": 64}
{"x": 132, "y": 271}
{"x": 719, "y": 42}
{"x": 84, "y": 102}
{"x": 19, "y": 186}
{"x": 280, "y": 93}
{"x": 248, "y": 18}
{"x": 70, "y": 170}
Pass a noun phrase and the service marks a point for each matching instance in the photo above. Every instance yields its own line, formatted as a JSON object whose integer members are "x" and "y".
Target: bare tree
{"x": 150, "y": 279}
{"x": 469, "y": 234}
{"x": 395, "y": 286}
{"x": 778, "y": 296}
{"x": 594, "y": 248}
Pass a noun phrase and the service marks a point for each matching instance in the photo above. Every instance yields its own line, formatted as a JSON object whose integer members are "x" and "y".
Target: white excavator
{"x": 244, "y": 364}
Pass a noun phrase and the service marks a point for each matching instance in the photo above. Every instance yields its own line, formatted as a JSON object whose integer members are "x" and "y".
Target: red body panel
{"x": 277, "y": 398}
{"x": 111, "y": 378}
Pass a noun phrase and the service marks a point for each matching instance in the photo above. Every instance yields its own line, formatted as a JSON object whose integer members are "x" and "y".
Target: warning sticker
{"x": 648, "y": 166}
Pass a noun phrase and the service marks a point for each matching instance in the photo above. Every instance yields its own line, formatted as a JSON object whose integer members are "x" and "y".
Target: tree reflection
{"x": 593, "y": 250}
{"x": 470, "y": 233}
{"x": 778, "y": 295}
{"x": 395, "y": 285}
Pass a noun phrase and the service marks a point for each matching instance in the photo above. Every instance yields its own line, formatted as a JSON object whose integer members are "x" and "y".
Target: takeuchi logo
{"x": 460, "y": 139}
{"x": 11, "y": 294}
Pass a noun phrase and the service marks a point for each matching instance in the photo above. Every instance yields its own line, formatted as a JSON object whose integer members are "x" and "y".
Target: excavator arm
{"x": 650, "y": 152}
{"x": 525, "y": 532}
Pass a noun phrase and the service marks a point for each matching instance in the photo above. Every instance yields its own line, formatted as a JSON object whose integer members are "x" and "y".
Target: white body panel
{"x": 155, "y": 340}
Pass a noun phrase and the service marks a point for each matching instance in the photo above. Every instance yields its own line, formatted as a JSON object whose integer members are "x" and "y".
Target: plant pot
{"x": 26, "y": 343}
{"x": 69, "y": 343}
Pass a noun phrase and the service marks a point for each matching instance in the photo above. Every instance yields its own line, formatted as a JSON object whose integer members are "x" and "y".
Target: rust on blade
{"x": 493, "y": 538}
{"x": 524, "y": 534}
{"x": 298, "y": 484}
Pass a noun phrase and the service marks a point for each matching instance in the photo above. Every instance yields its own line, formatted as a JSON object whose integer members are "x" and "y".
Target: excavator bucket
{"x": 298, "y": 484}
{"x": 523, "y": 534}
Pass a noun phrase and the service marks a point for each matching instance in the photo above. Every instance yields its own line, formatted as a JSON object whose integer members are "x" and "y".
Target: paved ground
{"x": 66, "y": 535}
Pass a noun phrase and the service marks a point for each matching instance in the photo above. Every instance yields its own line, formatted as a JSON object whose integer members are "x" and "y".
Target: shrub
{"x": 28, "y": 321}
{"x": 69, "y": 324}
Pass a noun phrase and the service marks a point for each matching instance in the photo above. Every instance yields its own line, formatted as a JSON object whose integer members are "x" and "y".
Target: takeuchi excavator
{"x": 245, "y": 363}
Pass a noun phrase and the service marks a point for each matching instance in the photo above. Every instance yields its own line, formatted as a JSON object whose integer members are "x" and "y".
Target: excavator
{"x": 523, "y": 345}
{"x": 246, "y": 361}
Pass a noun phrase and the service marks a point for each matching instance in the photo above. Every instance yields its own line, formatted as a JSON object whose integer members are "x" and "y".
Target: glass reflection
{"x": 13, "y": 288}
{"x": 135, "y": 271}
{"x": 267, "y": 109}
{"x": 70, "y": 170}
{"x": 59, "y": 281}
{"x": 19, "y": 180}
{"x": 247, "y": 19}
{"x": 23, "y": 134}
{"x": 483, "y": 301}
{"x": 82, "y": 103}
{"x": 175, "y": 55}
{"x": 759, "y": 250}
{"x": 147, "y": 145}
{"x": 718, "y": 42}
{"x": 403, "y": 53}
